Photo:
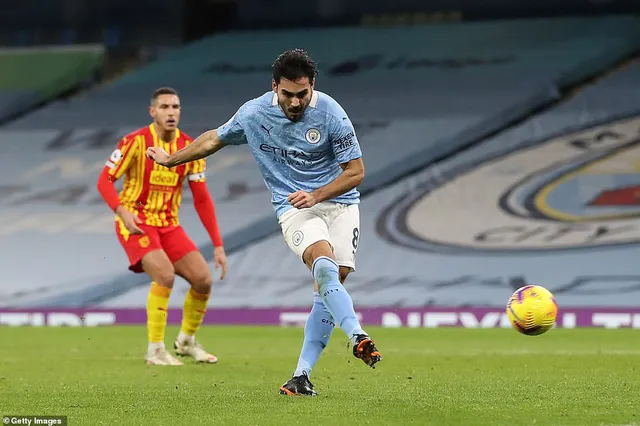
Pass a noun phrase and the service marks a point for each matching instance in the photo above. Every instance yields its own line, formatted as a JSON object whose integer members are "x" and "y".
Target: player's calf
{"x": 195, "y": 270}
{"x": 335, "y": 297}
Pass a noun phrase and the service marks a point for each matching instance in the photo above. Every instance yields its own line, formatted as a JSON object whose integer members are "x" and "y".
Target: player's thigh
{"x": 195, "y": 270}
{"x": 176, "y": 243}
{"x": 186, "y": 258}
{"x": 344, "y": 234}
{"x": 136, "y": 246}
{"x": 303, "y": 229}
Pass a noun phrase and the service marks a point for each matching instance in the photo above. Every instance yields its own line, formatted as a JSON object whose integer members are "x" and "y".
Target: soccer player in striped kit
{"x": 149, "y": 230}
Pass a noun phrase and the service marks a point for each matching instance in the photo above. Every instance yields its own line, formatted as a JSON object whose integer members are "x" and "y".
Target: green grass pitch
{"x": 427, "y": 376}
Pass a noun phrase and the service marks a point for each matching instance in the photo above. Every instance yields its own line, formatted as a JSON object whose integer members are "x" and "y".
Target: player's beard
{"x": 290, "y": 115}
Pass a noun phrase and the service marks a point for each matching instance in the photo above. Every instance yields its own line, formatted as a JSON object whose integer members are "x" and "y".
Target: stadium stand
{"x": 216, "y": 75}
{"x": 413, "y": 100}
{"x": 31, "y": 76}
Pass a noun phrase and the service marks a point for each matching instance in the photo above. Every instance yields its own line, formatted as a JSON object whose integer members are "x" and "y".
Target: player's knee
{"x": 316, "y": 250}
{"x": 165, "y": 277}
{"x": 202, "y": 281}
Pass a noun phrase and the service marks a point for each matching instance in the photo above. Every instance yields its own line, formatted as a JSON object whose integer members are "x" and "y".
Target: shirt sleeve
{"x": 343, "y": 139}
{"x": 232, "y": 132}
{"x": 197, "y": 171}
{"x": 121, "y": 158}
{"x": 206, "y": 210}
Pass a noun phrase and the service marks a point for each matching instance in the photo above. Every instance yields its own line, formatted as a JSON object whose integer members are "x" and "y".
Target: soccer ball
{"x": 532, "y": 310}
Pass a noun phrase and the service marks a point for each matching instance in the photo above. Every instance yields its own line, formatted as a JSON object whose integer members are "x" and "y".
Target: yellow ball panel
{"x": 532, "y": 310}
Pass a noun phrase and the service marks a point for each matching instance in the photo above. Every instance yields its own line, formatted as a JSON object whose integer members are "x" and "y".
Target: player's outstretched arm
{"x": 204, "y": 145}
{"x": 351, "y": 176}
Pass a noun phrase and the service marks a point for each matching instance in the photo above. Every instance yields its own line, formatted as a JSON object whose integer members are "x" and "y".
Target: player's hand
{"x": 220, "y": 259}
{"x": 130, "y": 220}
{"x": 302, "y": 200}
{"x": 158, "y": 155}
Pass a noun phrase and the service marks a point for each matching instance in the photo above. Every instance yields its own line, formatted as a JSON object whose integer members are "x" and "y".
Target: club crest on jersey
{"x": 297, "y": 238}
{"x": 144, "y": 241}
{"x": 580, "y": 190}
{"x": 312, "y": 136}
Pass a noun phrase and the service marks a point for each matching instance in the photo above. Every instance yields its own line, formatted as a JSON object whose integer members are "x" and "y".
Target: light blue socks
{"x": 335, "y": 296}
{"x": 317, "y": 332}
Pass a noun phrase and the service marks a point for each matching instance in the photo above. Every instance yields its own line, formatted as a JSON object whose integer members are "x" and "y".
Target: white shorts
{"x": 339, "y": 224}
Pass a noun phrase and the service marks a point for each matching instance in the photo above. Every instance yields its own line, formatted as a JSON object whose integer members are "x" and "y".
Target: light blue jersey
{"x": 303, "y": 155}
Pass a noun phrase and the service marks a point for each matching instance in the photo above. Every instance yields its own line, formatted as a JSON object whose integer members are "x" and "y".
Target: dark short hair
{"x": 162, "y": 91}
{"x": 294, "y": 64}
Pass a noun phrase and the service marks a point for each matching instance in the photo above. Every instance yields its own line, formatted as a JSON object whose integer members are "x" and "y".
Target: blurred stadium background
{"x": 500, "y": 139}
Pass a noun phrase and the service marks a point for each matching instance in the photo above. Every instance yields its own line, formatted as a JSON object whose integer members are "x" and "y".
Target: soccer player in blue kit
{"x": 310, "y": 159}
